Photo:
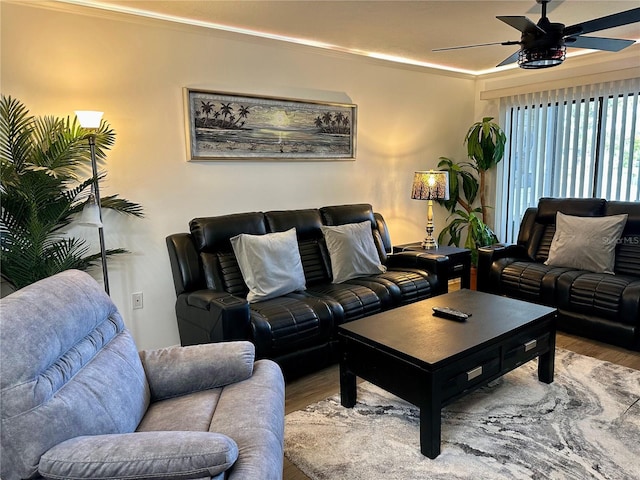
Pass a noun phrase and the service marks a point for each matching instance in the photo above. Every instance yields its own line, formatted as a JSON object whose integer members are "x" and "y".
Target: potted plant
{"x": 43, "y": 160}
{"x": 485, "y": 142}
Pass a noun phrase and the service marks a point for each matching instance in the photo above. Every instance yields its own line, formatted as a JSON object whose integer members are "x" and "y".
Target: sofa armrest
{"x": 488, "y": 255}
{"x": 437, "y": 265}
{"x": 499, "y": 250}
{"x": 142, "y": 455}
{"x": 206, "y": 316}
{"x": 176, "y": 371}
{"x": 185, "y": 263}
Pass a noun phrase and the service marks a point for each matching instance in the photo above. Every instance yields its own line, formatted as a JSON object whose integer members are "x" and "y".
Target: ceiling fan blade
{"x": 599, "y": 43}
{"x": 476, "y": 45}
{"x": 521, "y": 23}
{"x": 602, "y": 23}
{"x": 511, "y": 59}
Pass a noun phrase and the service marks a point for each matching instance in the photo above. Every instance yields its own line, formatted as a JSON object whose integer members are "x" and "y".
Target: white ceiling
{"x": 404, "y": 30}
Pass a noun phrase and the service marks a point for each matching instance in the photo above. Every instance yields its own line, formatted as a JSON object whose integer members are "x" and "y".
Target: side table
{"x": 459, "y": 259}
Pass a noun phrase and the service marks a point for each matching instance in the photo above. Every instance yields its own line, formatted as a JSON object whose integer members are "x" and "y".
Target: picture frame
{"x": 230, "y": 126}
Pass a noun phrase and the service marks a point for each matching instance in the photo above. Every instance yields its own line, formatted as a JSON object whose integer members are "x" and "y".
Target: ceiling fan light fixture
{"x": 542, "y": 57}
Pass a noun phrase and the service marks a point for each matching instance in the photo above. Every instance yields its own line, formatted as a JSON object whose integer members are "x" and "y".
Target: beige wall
{"x": 134, "y": 70}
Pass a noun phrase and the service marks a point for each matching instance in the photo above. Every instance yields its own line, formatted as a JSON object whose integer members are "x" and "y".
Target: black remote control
{"x": 450, "y": 314}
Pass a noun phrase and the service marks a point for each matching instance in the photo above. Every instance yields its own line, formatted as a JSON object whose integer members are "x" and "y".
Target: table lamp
{"x": 430, "y": 185}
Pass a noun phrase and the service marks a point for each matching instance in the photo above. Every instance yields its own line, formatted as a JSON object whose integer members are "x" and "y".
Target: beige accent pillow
{"x": 352, "y": 251}
{"x": 270, "y": 264}
{"x": 586, "y": 243}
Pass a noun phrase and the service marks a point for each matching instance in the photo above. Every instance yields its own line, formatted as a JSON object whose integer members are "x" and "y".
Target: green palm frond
{"x": 15, "y": 137}
{"x": 58, "y": 150}
{"x": 26, "y": 262}
{"x": 122, "y": 205}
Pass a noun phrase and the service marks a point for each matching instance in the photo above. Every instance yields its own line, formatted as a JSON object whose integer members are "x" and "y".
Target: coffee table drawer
{"x": 469, "y": 372}
{"x": 525, "y": 348}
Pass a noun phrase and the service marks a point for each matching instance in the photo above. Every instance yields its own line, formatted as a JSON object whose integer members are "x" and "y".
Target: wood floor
{"x": 319, "y": 385}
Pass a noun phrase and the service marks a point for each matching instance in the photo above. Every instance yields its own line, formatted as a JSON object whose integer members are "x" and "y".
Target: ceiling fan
{"x": 544, "y": 44}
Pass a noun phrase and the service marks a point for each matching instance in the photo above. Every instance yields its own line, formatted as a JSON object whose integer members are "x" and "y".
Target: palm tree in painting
{"x": 345, "y": 123}
{"x": 223, "y": 117}
{"x": 226, "y": 110}
{"x": 326, "y": 118}
{"x": 242, "y": 113}
{"x": 336, "y": 123}
{"x": 206, "y": 108}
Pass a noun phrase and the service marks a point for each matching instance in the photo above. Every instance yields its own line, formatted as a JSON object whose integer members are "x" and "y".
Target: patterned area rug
{"x": 585, "y": 425}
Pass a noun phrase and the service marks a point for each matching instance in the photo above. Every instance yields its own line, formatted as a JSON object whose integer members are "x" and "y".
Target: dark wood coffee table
{"x": 431, "y": 362}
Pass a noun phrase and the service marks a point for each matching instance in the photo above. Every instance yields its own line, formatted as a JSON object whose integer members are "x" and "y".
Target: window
{"x": 576, "y": 142}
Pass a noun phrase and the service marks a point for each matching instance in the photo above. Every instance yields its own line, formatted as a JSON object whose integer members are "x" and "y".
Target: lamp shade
{"x": 89, "y": 118}
{"x": 430, "y": 185}
{"x": 91, "y": 213}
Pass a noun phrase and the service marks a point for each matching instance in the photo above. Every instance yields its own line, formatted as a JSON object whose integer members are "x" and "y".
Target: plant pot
{"x": 474, "y": 278}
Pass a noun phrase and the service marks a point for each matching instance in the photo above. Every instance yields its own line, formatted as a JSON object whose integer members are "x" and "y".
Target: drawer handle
{"x": 530, "y": 345}
{"x": 476, "y": 372}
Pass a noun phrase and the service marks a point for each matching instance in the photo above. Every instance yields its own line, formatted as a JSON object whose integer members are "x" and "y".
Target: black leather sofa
{"x": 601, "y": 306}
{"x": 297, "y": 330}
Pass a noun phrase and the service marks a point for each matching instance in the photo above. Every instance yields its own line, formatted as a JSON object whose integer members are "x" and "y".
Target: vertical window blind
{"x": 576, "y": 142}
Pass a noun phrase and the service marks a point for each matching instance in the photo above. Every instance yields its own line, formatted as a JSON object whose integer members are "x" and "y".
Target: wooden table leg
{"x": 430, "y": 421}
{"x": 348, "y": 390}
{"x": 546, "y": 361}
{"x": 430, "y": 428}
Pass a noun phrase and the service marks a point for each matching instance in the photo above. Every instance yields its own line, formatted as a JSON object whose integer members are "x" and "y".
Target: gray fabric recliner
{"x": 79, "y": 401}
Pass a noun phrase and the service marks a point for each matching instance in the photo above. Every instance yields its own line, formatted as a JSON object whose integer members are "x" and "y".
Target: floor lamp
{"x": 92, "y": 211}
{"x": 430, "y": 185}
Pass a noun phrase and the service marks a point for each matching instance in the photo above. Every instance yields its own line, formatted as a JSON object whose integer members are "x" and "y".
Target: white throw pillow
{"x": 586, "y": 243}
{"x": 270, "y": 264}
{"x": 352, "y": 251}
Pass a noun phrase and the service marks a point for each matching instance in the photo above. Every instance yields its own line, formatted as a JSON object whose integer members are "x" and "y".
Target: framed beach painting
{"x": 227, "y": 126}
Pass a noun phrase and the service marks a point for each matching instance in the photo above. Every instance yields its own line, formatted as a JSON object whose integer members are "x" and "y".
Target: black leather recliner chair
{"x": 297, "y": 330}
{"x": 601, "y": 306}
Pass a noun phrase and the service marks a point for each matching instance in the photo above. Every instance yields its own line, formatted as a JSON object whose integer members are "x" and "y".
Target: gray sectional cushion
{"x": 196, "y": 411}
{"x": 140, "y": 456}
{"x": 176, "y": 371}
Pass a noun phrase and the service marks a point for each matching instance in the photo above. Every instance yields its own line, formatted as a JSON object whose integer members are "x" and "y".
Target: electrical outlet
{"x": 136, "y": 300}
